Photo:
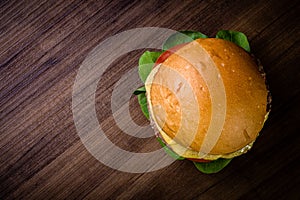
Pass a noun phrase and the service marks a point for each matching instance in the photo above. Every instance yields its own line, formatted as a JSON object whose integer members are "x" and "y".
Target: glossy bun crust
{"x": 245, "y": 89}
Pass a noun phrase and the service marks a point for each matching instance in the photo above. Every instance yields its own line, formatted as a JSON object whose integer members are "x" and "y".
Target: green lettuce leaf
{"x": 236, "y": 37}
{"x": 140, "y": 90}
{"x": 182, "y": 37}
{"x": 213, "y": 166}
{"x": 169, "y": 151}
{"x": 146, "y": 63}
{"x": 143, "y": 104}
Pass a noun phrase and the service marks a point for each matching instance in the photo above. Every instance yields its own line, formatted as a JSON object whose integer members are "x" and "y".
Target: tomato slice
{"x": 167, "y": 53}
{"x": 199, "y": 160}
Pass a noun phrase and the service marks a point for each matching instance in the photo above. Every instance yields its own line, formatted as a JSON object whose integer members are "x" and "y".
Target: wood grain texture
{"x": 42, "y": 45}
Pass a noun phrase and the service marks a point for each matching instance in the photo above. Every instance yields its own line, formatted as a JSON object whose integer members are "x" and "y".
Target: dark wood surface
{"x": 43, "y": 44}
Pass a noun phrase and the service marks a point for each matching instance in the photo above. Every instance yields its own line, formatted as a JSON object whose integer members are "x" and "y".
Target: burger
{"x": 206, "y": 98}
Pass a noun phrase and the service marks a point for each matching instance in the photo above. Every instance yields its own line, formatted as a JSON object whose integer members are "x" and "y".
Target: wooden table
{"x": 43, "y": 44}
